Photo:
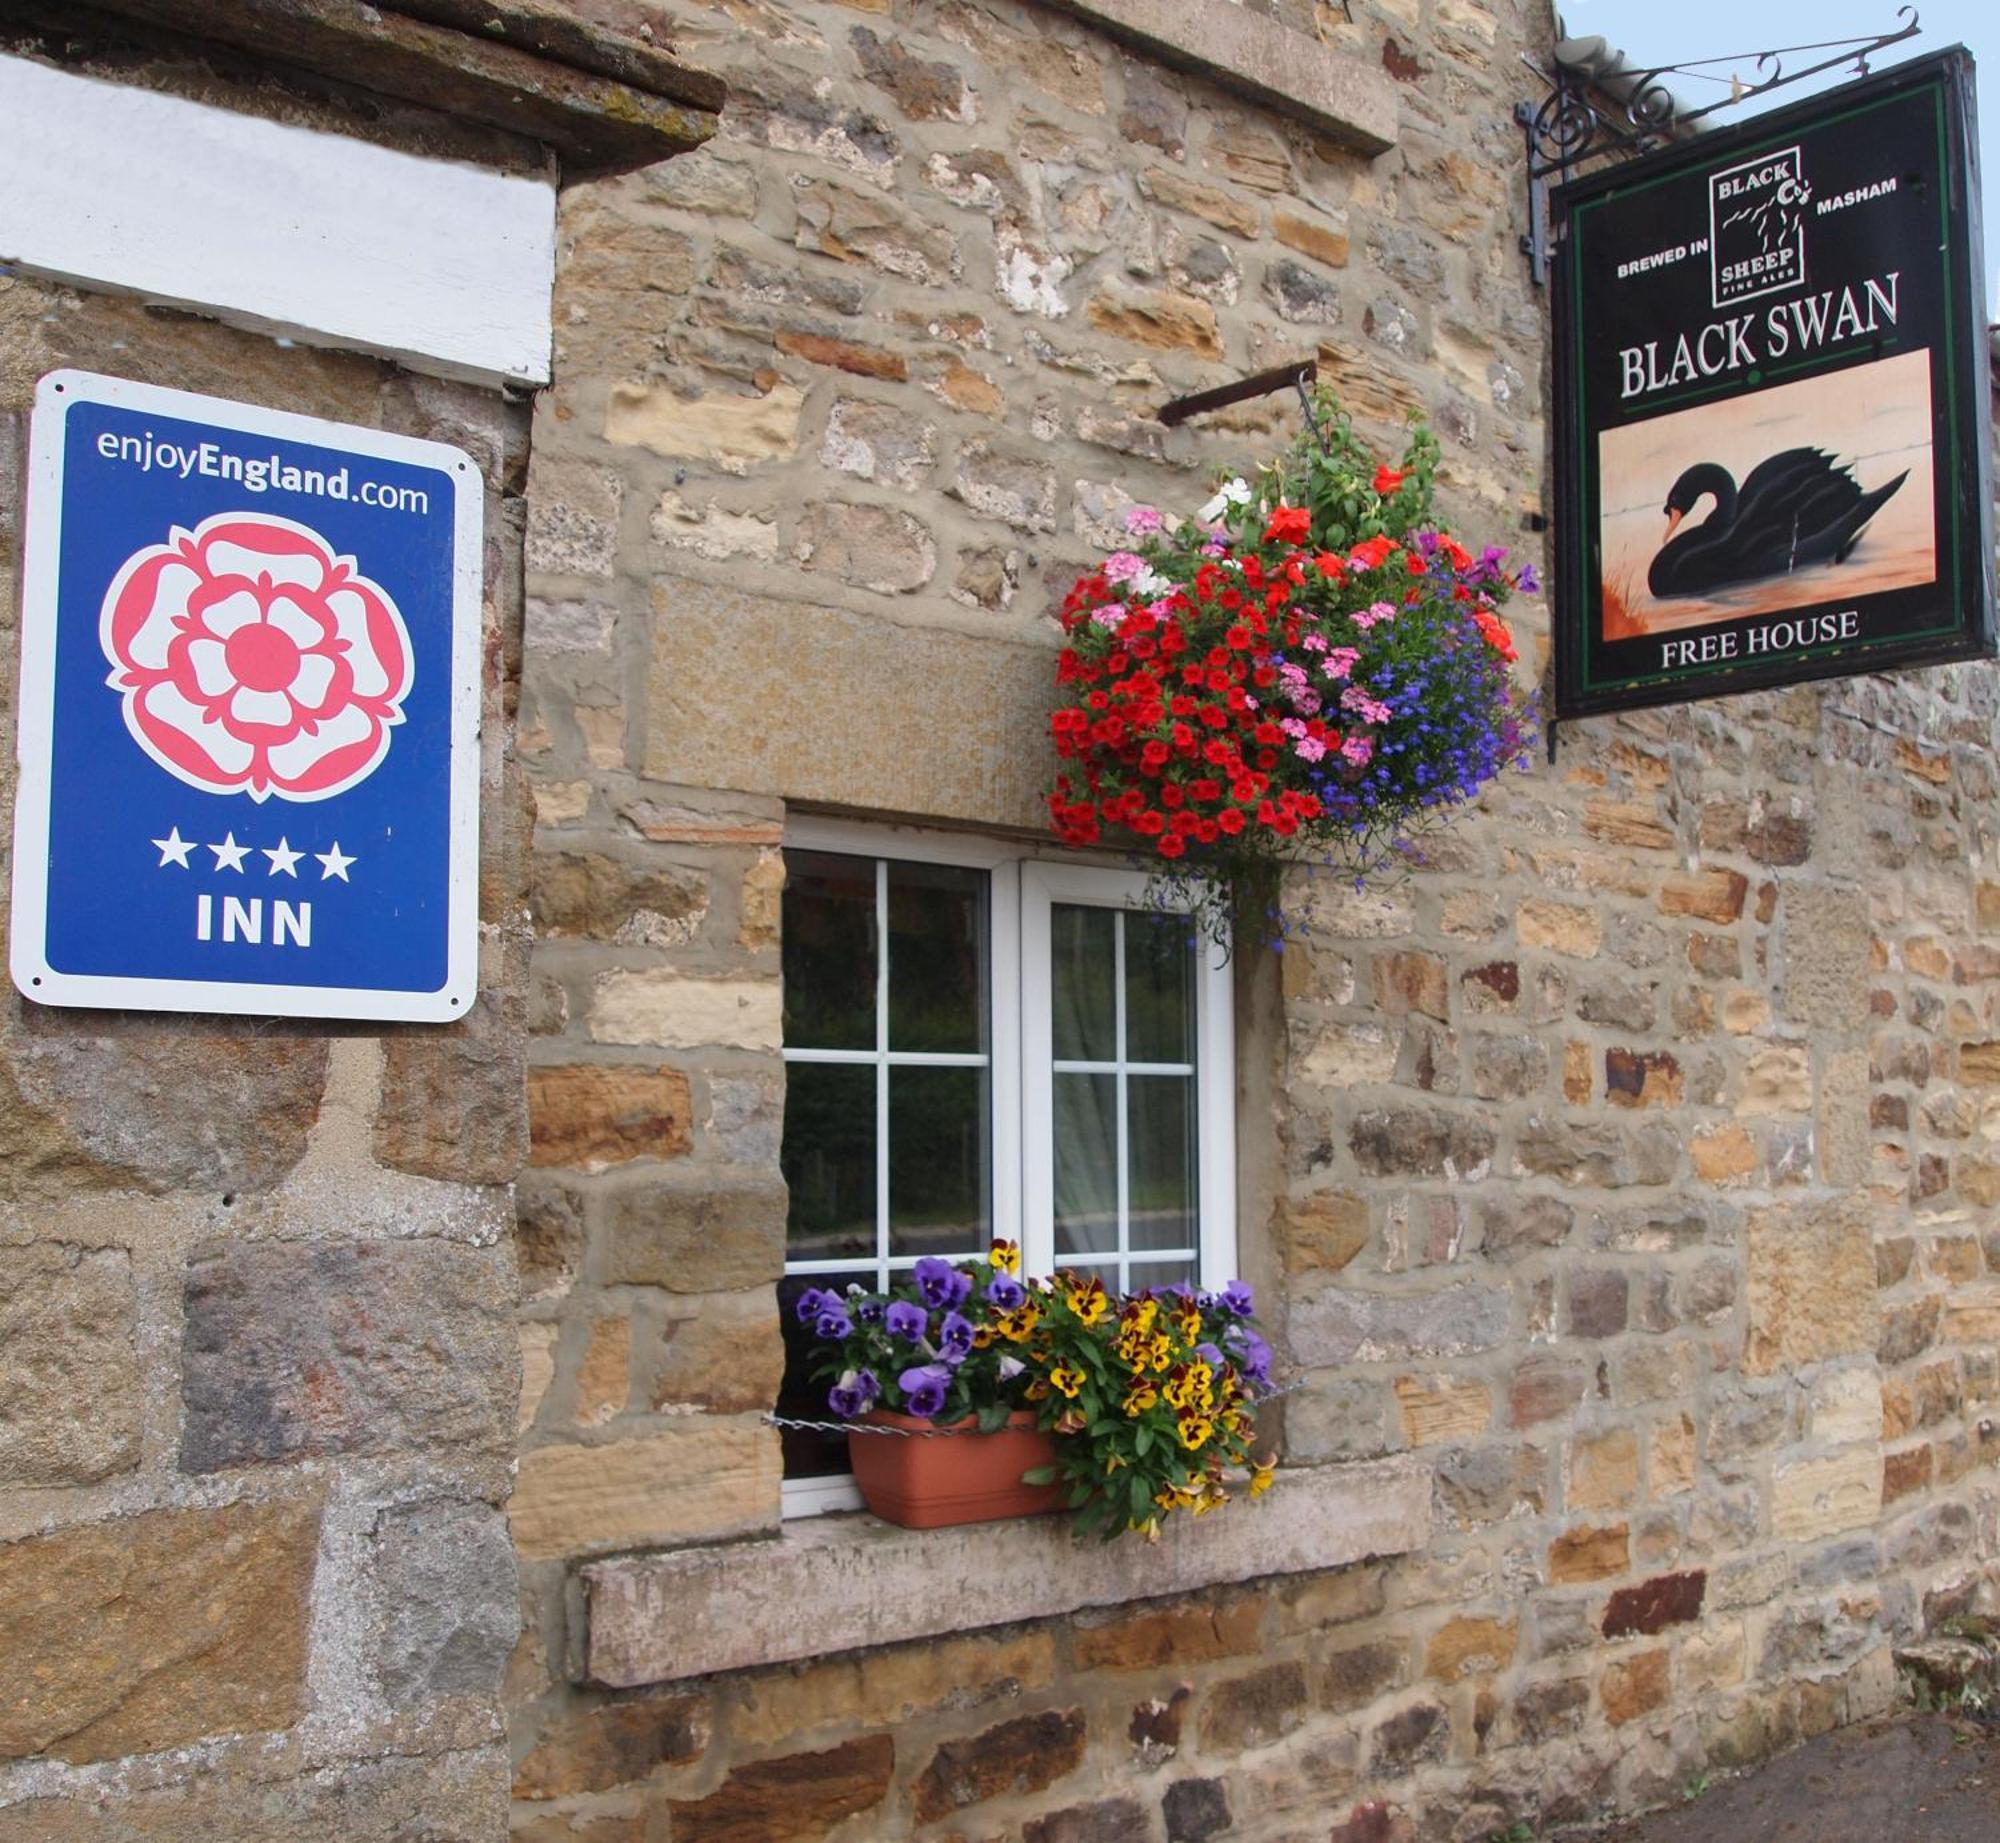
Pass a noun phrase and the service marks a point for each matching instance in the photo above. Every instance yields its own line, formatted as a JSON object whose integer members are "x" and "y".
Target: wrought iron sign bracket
{"x": 1628, "y": 111}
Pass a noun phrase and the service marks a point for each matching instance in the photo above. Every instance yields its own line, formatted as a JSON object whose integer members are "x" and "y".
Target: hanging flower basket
{"x": 1307, "y": 670}
{"x": 923, "y": 1476}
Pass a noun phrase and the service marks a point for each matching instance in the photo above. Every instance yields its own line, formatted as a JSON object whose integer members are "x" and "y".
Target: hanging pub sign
{"x": 249, "y": 711}
{"x": 1773, "y": 449}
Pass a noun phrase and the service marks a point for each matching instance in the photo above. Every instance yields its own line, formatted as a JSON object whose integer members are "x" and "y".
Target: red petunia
{"x": 1387, "y": 480}
{"x": 1288, "y": 525}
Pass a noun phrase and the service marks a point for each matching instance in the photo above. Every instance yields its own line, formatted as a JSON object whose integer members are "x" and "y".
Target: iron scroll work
{"x": 1773, "y": 425}
{"x": 1636, "y": 111}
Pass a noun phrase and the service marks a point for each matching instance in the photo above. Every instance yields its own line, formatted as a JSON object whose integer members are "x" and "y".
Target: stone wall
{"x": 257, "y": 1294}
{"x": 1629, "y": 1171}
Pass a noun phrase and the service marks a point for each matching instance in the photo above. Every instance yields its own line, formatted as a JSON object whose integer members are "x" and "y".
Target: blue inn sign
{"x": 249, "y": 711}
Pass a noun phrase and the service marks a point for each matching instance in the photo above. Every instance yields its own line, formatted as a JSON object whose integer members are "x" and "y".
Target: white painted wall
{"x": 444, "y": 266}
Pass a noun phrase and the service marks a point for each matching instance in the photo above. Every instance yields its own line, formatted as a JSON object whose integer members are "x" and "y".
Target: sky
{"x": 1650, "y": 33}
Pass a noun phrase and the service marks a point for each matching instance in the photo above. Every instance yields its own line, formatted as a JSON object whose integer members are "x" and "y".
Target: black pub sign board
{"x": 1774, "y": 433}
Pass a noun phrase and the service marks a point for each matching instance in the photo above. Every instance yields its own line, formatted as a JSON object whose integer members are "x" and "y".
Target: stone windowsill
{"x": 655, "y": 1618}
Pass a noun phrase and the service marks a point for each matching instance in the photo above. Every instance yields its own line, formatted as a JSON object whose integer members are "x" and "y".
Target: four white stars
{"x": 229, "y": 855}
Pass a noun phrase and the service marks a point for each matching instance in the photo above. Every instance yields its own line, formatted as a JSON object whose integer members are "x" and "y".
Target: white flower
{"x": 1232, "y": 493}
{"x": 1148, "y": 585}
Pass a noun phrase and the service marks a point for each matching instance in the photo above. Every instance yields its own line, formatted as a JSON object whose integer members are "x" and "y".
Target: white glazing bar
{"x": 895, "y": 1058}
{"x": 881, "y": 1071}
{"x": 1124, "y": 1131}
{"x": 1068, "y": 1067}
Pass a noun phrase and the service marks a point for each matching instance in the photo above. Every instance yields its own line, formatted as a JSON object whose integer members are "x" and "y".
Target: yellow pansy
{"x": 1088, "y": 1301}
{"x": 1006, "y": 1256}
{"x": 1195, "y": 1431}
{"x": 1068, "y": 1380}
{"x": 1141, "y": 1396}
{"x": 1263, "y": 1475}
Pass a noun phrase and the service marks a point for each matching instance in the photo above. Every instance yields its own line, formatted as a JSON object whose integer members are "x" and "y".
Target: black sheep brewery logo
{"x": 1757, "y": 227}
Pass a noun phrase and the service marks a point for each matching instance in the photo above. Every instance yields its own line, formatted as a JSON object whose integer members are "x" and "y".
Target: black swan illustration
{"x": 1797, "y": 509}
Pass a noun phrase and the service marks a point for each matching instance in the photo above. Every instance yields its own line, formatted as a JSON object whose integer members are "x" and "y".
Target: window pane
{"x": 829, "y": 951}
{"x": 937, "y": 958}
{"x": 1161, "y": 1273}
{"x": 1086, "y": 1160}
{"x": 1082, "y": 982}
{"x": 809, "y": 1454}
{"x": 828, "y": 1158}
{"x": 938, "y": 1182}
{"x": 1159, "y": 989}
{"x": 1160, "y": 1142}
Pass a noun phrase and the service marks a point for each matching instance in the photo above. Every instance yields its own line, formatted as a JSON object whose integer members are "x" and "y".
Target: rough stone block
{"x": 1635, "y": 1686}
{"x": 152, "y": 1631}
{"x": 1810, "y": 1284}
{"x": 70, "y": 1397}
{"x": 736, "y": 432}
{"x": 881, "y": 548}
{"x": 1194, "y": 1810}
{"x": 669, "y": 1010}
{"x": 1652, "y": 1606}
{"x": 204, "y": 1109}
{"x": 1441, "y": 1409}
{"x": 1589, "y": 1554}
{"x": 725, "y": 1356}
{"x": 301, "y": 1350}
{"x": 1198, "y": 1632}
{"x": 692, "y": 1483}
{"x": 1828, "y": 942}
{"x": 447, "y": 1611}
{"x": 1109, "y": 1820}
{"x": 1471, "y": 1646}
{"x": 592, "y": 896}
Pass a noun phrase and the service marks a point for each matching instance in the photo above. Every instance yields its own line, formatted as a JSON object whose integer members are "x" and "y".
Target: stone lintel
{"x": 603, "y": 100}
{"x": 656, "y": 1618}
{"x": 1333, "y": 92}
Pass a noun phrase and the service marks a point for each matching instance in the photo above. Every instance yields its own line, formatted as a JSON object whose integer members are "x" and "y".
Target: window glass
{"x": 937, "y": 958}
{"x": 1086, "y": 1163}
{"x": 940, "y": 1146}
{"x": 1083, "y": 983}
{"x": 829, "y": 951}
{"x": 828, "y": 1158}
{"x": 1159, "y": 989}
{"x": 1160, "y": 1211}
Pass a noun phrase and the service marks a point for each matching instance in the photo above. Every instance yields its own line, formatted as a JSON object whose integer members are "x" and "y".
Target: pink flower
{"x": 254, "y": 659}
{"x": 1123, "y": 566}
{"x": 1366, "y": 618}
{"x": 1370, "y": 709}
{"x": 1143, "y": 521}
{"x": 1111, "y": 615}
{"x": 1309, "y": 748}
{"x": 1340, "y": 661}
{"x": 1358, "y": 750}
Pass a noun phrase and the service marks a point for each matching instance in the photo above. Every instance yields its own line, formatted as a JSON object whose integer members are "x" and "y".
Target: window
{"x": 980, "y": 1045}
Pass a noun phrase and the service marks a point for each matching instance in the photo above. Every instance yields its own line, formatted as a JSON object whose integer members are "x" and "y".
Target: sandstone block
{"x": 1022, "y": 1756}
{"x": 1471, "y": 1646}
{"x": 1421, "y": 1142}
{"x": 70, "y": 1395}
{"x": 600, "y": 1745}
{"x": 872, "y": 547}
{"x": 684, "y": 1011}
{"x": 1650, "y": 1078}
{"x": 1635, "y": 1686}
{"x": 1544, "y": 1389}
{"x": 1323, "y": 242}
{"x": 590, "y": 1116}
{"x": 295, "y": 1350}
{"x": 869, "y": 226}
{"x": 576, "y": 626}
{"x": 1723, "y": 1154}
{"x": 1357, "y": 1675}
{"x": 604, "y": 1373}
{"x": 1109, "y": 1820}
{"x": 711, "y": 530}
{"x": 708, "y": 1239}
{"x": 796, "y": 1799}
{"x": 735, "y": 432}
{"x": 1652, "y": 1606}
{"x": 152, "y": 1631}
{"x": 1340, "y": 1326}
{"x": 573, "y": 513}
{"x": 1442, "y": 1409}
{"x": 694, "y": 1483}
{"x": 1708, "y": 895}
{"x": 1670, "y": 1459}
{"x": 1411, "y": 1738}
{"x": 1198, "y": 1632}
{"x": 1810, "y": 1284}
{"x": 454, "y": 1100}
{"x": 1321, "y": 1233}
{"x": 1166, "y": 322}
{"x": 1603, "y": 1470}
{"x": 588, "y": 895}
{"x": 1245, "y": 1712}
{"x": 925, "y": 89}
{"x": 1811, "y": 1498}
{"x": 1559, "y": 927}
{"x": 725, "y": 1357}
{"x": 1517, "y": 1223}
{"x": 1589, "y": 1554}
{"x": 1178, "y": 192}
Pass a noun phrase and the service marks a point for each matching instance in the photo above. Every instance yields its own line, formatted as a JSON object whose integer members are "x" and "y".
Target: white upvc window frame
{"x": 1023, "y": 891}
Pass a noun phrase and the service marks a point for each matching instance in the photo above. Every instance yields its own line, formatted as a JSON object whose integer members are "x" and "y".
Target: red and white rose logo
{"x": 254, "y": 659}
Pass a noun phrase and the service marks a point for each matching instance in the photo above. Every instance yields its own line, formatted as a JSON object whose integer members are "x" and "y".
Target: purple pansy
{"x": 905, "y": 1320}
{"x": 924, "y": 1389}
{"x": 941, "y": 1284}
{"x": 1239, "y": 1298}
{"x": 811, "y": 1303}
{"x": 1006, "y": 1292}
{"x": 832, "y": 1320}
{"x": 955, "y": 1338}
{"x": 854, "y": 1394}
